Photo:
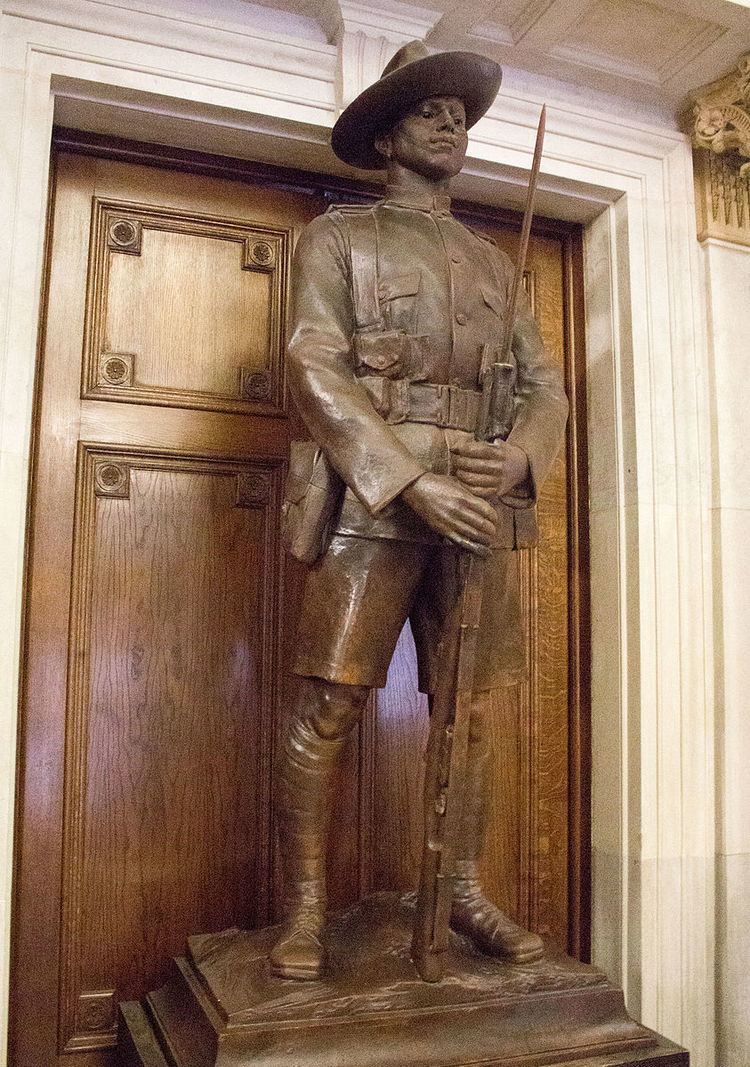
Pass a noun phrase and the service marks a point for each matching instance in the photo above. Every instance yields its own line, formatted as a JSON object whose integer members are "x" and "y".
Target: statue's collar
{"x": 400, "y": 197}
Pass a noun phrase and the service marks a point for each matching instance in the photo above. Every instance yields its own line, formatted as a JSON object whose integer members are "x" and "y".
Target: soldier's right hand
{"x": 451, "y": 509}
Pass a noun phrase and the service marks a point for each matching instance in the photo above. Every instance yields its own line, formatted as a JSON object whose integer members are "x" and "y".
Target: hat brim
{"x": 472, "y": 78}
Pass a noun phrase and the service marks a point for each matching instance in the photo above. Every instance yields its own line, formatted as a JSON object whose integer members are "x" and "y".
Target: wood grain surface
{"x": 187, "y": 308}
{"x": 161, "y": 611}
{"x": 165, "y": 733}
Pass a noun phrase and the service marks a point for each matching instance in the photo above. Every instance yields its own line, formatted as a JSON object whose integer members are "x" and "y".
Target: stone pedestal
{"x": 222, "y": 1008}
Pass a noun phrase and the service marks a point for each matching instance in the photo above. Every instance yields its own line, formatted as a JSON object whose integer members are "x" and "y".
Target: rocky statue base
{"x": 221, "y": 1007}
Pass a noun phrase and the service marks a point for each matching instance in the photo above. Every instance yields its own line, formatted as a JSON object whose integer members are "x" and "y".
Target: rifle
{"x": 445, "y": 773}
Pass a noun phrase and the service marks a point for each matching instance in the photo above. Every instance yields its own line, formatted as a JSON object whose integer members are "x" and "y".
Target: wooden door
{"x": 161, "y": 613}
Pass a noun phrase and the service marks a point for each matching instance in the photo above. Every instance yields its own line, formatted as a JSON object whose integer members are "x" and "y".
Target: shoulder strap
{"x": 483, "y": 236}
{"x": 362, "y": 231}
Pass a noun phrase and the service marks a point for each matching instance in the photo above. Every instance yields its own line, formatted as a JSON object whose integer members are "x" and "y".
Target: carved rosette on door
{"x": 224, "y": 279}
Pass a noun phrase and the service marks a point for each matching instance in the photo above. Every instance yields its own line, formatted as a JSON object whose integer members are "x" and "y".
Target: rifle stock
{"x": 445, "y": 772}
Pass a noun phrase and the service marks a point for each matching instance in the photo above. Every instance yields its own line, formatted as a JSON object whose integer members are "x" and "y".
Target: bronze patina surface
{"x": 398, "y": 311}
{"x": 222, "y": 1006}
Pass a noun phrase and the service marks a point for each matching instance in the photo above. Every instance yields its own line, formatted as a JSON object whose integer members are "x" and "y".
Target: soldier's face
{"x": 430, "y": 139}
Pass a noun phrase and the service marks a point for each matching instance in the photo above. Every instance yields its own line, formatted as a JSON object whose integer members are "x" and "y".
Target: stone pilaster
{"x": 369, "y": 35}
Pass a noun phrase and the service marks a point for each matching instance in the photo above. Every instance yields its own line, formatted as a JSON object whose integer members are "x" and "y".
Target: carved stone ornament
{"x": 722, "y": 116}
{"x": 720, "y": 131}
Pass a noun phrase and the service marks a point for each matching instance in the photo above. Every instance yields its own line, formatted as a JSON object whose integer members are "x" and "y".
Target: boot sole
{"x": 510, "y": 957}
{"x": 497, "y": 953}
{"x": 528, "y": 957}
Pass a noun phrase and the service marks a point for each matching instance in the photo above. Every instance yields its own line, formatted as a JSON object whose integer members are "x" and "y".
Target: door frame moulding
{"x": 653, "y": 791}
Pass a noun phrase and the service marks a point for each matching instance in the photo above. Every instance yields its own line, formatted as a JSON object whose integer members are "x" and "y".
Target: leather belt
{"x": 446, "y": 406}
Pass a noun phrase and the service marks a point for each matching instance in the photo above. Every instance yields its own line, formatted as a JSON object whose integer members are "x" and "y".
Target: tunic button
{"x": 455, "y": 259}
{"x": 460, "y": 318}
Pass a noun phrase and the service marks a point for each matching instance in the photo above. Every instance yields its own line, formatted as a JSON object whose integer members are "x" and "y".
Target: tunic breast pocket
{"x": 494, "y": 301}
{"x": 398, "y": 296}
{"x": 394, "y": 351}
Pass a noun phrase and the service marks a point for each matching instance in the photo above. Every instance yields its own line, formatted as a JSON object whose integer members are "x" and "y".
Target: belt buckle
{"x": 444, "y": 405}
{"x": 397, "y": 391}
{"x": 454, "y": 408}
{"x": 458, "y": 408}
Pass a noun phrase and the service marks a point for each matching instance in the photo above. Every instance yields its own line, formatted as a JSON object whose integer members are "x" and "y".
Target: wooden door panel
{"x": 167, "y": 735}
{"x": 162, "y": 612}
{"x": 185, "y": 309}
{"x": 400, "y": 739}
{"x": 504, "y": 862}
{"x": 548, "y": 822}
{"x": 160, "y": 716}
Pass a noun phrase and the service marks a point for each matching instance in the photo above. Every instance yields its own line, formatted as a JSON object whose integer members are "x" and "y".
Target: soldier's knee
{"x": 336, "y": 708}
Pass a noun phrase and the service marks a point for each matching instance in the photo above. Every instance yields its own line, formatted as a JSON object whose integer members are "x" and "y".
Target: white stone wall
{"x": 228, "y": 77}
{"x": 727, "y": 270}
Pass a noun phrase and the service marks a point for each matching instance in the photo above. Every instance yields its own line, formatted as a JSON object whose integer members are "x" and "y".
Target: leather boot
{"x": 307, "y": 772}
{"x": 472, "y": 912}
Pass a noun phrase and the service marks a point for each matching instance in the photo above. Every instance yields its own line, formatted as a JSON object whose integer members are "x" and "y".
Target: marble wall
{"x": 727, "y": 274}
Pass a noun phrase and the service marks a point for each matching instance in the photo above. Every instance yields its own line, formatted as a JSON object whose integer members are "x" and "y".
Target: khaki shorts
{"x": 360, "y": 594}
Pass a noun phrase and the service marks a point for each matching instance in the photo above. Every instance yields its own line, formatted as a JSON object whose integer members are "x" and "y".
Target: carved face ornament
{"x": 708, "y": 122}
{"x": 722, "y": 122}
{"x": 723, "y": 129}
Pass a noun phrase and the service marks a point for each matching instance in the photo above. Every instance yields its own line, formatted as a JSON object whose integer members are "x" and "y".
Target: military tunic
{"x": 442, "y": 294}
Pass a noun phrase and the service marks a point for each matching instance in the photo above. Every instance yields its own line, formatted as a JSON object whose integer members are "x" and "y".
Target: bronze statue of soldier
{"x": 397, "y": 309}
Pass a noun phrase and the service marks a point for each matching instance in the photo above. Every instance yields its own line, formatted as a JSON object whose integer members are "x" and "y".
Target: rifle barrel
{"x": 452, "y": 705}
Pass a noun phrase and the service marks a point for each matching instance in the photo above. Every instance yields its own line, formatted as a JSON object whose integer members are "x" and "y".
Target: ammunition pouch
{"x": 389, "y": 354}
{"x": 312, "y": 501}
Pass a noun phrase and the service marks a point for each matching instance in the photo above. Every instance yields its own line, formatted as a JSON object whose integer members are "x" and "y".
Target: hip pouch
{"x": 312, "y": 500}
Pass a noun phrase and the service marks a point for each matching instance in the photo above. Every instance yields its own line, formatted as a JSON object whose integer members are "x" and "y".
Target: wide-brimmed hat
{"x": 412, "y": 75}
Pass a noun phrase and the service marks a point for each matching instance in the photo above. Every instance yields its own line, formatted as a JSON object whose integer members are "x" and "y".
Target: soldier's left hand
{"x": 489, "y": 469}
